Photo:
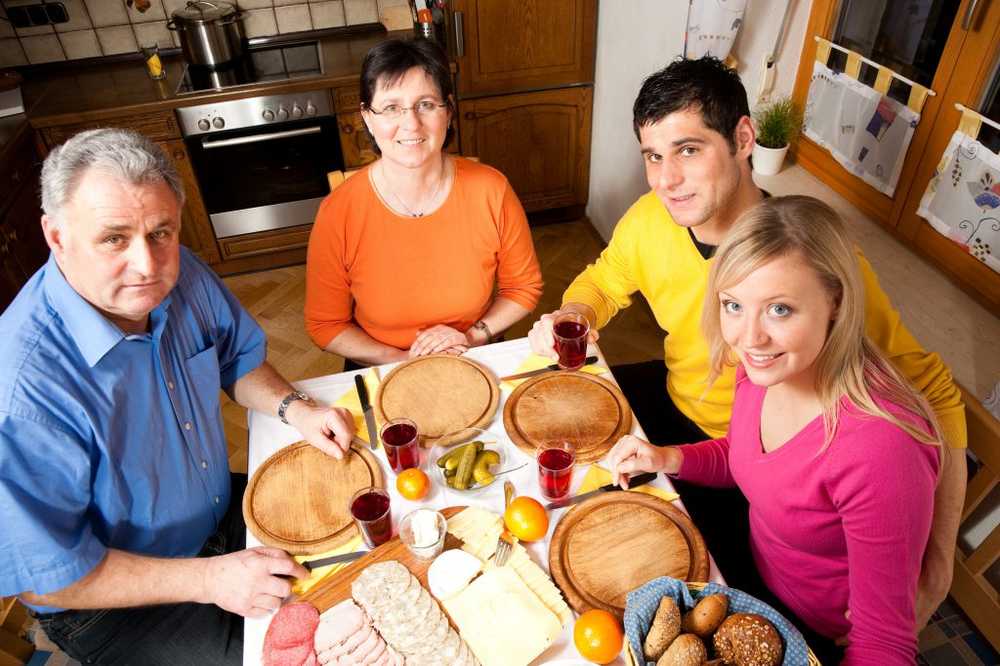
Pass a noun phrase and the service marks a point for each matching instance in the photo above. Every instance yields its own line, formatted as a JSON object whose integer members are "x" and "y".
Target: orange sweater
{"x": 394, "y": 276}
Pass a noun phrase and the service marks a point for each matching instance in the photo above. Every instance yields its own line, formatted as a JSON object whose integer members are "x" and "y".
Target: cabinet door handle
{"x": 970, "y": 11}
{"x": 459, "y": 34}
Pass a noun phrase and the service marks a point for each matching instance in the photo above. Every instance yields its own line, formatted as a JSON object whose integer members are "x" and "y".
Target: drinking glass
{"x": 570, "y": 331}
{"x": 423, "y": 531}
{"x": 370, "y": 510}
{"x": 401, "y": 443}
{"x": 555, "y": 469}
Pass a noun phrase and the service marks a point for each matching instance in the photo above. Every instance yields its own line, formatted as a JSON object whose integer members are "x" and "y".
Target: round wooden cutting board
{"x": 609, "y": 545}
{"x": 298, "y": 498}
{"x": 577, "y": 407}
{"x": 443, "y": 394}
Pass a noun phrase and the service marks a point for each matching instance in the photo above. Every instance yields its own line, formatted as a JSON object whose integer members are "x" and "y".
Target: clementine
{"x": 412, "y": 483}
{"x": 598, "y": 636}
{"x": 526, "y": 519}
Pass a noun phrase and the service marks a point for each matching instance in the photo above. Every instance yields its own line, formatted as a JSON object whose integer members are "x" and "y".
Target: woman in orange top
{"x": 420, "y": 252}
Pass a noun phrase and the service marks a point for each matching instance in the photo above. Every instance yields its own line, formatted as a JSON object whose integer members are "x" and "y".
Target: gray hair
{"x": 125, "y": 154}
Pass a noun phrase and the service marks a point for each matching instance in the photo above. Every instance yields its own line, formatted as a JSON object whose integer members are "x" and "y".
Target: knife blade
{"x": 590, "y": 360}
{"x": 334, "y": 559}
{"x": 366, "y": 409}
{"x": 633, "y": 482}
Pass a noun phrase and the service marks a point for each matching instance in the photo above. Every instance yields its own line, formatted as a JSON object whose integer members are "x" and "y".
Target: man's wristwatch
{"x": 481, "y": 326}
{"x": 289, "y": 399}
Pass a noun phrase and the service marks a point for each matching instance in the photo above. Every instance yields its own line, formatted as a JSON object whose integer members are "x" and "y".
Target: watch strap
{"x": 481, "y": 325}
{"x": 289, "y": 399}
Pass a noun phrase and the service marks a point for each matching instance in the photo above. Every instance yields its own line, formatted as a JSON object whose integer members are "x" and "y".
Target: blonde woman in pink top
{"x": 837, "y": 455}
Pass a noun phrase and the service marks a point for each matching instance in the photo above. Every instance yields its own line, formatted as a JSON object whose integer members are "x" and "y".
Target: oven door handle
{"x": 256, "y": 138}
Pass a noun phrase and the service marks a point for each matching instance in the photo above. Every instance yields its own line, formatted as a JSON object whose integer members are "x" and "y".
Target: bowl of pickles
{"x": 469, "y": 466}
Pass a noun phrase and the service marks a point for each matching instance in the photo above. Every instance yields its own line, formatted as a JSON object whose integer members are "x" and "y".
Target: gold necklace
{"x": 399, "y": 200}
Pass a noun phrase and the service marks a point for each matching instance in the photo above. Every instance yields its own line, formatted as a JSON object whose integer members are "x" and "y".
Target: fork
{"x": 506, "y": 541}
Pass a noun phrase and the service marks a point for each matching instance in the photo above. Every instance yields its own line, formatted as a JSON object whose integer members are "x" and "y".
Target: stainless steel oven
{"x": 262, "y": 162}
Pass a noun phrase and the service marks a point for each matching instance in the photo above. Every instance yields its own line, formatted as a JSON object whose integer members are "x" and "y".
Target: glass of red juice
{"x": 370, "y": 510}
{"x": 402, "y": 448}
{"x": 570, "y": 331}
{"x": 555, "y": 469}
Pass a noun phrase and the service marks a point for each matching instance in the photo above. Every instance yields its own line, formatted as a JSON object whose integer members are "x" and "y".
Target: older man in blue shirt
{"x": 122, "y": 530}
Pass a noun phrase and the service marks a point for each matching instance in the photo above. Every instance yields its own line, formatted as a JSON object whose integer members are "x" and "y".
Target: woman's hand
{"x": 631, "y": 456}
{"x": 437, "y": 339}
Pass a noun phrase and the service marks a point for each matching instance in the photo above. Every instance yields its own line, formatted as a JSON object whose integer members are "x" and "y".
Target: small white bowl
{"x": 491, "y": 442}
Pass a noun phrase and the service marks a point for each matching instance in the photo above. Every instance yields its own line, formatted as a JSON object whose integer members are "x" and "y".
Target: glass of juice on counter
{"x": 570, "y": 331}
{"x": 402, "y": 446}
{"x": 370, "y": 510}
{"x": 555, "y": 469}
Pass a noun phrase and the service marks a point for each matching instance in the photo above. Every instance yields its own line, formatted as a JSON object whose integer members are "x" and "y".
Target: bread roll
{"x": 747, "y": 639}
{"x": 706, "y": 616}
{"x": 686, "y": 650}
{"x": 666, "y": 626}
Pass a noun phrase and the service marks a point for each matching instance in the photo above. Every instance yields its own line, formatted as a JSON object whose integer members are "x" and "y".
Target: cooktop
{"x": 260, "y": 64}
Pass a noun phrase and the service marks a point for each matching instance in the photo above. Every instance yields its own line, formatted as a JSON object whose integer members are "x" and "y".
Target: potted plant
{"x": 778, "y": 123}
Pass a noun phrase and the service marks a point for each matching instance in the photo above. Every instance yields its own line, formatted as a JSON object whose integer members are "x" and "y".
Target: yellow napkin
{"x": 598, "y": 476}
{"x": 352, "y": 402}
{"x": 534, "y": 362}
{"x": 301, "y": 585}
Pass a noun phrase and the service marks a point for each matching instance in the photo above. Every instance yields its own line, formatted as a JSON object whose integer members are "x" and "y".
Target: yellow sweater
{"x": 653, "y": 255}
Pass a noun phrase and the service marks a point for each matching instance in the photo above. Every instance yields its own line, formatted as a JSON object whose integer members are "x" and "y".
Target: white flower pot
{"x": 768, "y": 161}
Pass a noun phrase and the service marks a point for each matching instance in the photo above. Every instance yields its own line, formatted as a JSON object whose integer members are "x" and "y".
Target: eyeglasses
{"x": 394, "y": 111}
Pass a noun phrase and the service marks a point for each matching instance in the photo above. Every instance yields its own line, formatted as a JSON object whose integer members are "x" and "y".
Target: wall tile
{"x": 281, "y": 3}
{"x": 360, "y": 11}
{"x": 147, "y": 34}
{"x": 80, "y": 44}
{"x": 107, "y": 12}
{"x": 34, "y": 30}
{"x": 293, "y": 18}
{"x": 154, "y": 13}
{"x": 170, "y": 6}
{"x": 6, "y": 29}
{"x": 11, "y": 53}
{"x": 43, "y": 48}
{"x": 327, "y": 14}
{"x": 79, "y": 19}
{"x": 117, "y": 39}
{"x": 382, "y": 4}
{"x": 254, "y": 4}
{"x": 260, "y": 22}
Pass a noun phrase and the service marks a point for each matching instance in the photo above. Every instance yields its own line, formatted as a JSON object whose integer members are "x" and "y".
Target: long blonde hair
{"x": 849, "y": 364}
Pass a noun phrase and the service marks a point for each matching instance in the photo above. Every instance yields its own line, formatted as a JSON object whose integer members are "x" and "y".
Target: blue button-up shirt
{"x": 110, "y": 440}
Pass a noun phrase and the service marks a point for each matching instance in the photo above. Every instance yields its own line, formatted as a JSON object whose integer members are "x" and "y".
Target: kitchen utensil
{"x": 211, "y": 33}
{"x": 297, "y": 499}
{"x": 334, "y": 559}
{"x": 607, "y": 546}
{"x": 567, "y": 406}
{"x": 633, "y": 482}
{"x": 366, "y": 409}
{"x": 444, "y": 395}
{"x": 590, "y": 360}
{"x": 506, "y": 540}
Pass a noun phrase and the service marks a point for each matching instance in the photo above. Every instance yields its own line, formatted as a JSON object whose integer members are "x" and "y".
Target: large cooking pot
{"x": 211, "y": 33}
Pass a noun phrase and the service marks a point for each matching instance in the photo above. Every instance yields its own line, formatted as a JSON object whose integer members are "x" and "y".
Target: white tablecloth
{"x": 268, "y": 434}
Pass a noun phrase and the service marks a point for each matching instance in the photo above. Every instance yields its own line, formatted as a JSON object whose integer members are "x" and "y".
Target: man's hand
{"x": 540, "y": 336}
{"x": 436, "y": 339}
{"x": 246, "y": 582}
{"x": 632, "y": 456}
{"x": 329, "y": 429}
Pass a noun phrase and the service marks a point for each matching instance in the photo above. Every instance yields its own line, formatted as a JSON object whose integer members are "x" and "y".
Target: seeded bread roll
{"x": 666, "y": 626}
{"x": 747, "y": 639}
{"x": 686, "y": 650}
{"x": 706, "y": 616}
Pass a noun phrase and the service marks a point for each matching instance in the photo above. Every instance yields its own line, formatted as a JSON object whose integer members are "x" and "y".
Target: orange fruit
{"x": 526, "y": 519}
{"x": 412, "y": 483}
{"x": 598, "y": 636}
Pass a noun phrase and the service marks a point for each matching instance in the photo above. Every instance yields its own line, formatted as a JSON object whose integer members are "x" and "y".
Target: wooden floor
{"x": 276, "y": 298}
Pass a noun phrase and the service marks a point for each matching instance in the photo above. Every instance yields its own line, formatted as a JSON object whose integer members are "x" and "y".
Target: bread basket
{"x": 657, "y": 588}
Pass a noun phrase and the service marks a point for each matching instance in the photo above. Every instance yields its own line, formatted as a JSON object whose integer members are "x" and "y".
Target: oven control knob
{"x": 296, "y": 111}
{"x": 218, "y": 123}
{"x": 268, "y": 115}
{"x": 282, "y": 113}
{"x": 310, "y": 109}
{"x": 204, "y": 125}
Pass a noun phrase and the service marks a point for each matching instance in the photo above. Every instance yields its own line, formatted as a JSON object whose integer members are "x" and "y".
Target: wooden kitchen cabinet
{"x": 23, "y": 249}
{"x": 540, "y": 141}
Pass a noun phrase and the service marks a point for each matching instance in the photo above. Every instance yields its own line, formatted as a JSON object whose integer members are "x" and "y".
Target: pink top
{"x": 844, "y": 529}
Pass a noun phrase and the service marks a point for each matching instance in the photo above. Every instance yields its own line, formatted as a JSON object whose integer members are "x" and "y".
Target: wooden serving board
{"x": 586, "y": 410}
{"x": 443, "y": 394}
{"x": 337, "y": 586}
{"x": 298, "y": 498}
{"x": 607, "y": 546}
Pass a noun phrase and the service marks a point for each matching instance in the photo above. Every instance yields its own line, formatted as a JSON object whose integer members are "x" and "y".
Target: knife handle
{"x": 359, "y": 382}
{"x": 641, "y": 480}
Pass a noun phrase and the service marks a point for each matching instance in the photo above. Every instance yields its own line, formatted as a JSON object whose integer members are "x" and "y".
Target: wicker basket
{"x": 694, "y": 587}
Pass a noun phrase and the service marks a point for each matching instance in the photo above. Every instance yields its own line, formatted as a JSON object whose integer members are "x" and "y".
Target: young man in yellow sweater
{"x": 693, "y": 125}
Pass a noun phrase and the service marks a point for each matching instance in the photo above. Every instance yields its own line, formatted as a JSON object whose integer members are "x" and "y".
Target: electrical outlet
{"x": 46, "y": 13}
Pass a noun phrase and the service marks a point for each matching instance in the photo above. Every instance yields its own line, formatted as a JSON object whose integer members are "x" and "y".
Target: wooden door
{"x": 507, "y": 46}
{"x": 540, "y": 141}
{"x": 196, "y": 228}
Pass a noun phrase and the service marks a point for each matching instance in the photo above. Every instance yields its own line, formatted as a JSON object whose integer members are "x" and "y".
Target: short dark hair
{"x": 387, "y": 63}
{"x": 706, "y": 85}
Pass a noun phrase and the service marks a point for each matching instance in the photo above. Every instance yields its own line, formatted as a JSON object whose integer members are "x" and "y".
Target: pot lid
{"x": 204, "y": 11}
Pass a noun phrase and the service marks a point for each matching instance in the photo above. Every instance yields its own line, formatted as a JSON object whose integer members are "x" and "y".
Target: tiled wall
{"x": 109, "y": 27}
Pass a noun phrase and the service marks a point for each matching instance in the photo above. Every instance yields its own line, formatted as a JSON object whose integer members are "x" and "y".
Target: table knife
{"x": 633, "y": 482}
{"x": 366, "y": 408}
{"x": 590, "y": 360}
{"x": 334, "y": 559}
